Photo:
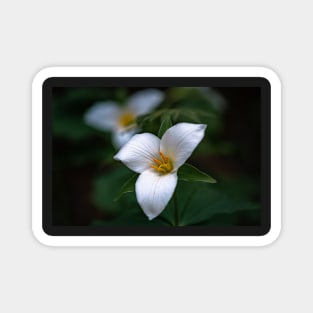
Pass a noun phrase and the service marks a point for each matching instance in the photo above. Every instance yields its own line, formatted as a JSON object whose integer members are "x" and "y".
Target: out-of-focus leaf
{"x": 190, "y": 173}
{"x": 176, "y": 114}
{"x": 199, "y": 203}
{"x": 128, "y": 186}
{"x": 71, "y": 128}
{"x": 105, "y": 188}
{"x": 68, "y": 111}
{"x": 165, "y": 125}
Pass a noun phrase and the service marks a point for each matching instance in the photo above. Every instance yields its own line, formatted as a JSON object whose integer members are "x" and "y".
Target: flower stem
{"x": 176, "y": 216}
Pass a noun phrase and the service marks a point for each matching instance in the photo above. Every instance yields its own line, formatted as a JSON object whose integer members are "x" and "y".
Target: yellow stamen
{"x": 126, "y": 119}
{"x": 157, "y": 161}
{"x": 164, "y": 158}
{"x": 153, "y": 166}
{"x": 162, "y": 166}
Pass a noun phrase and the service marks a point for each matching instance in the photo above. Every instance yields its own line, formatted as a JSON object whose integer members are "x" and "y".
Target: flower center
{"x": 162, "y": 165}
{"x": 126, "y": 119}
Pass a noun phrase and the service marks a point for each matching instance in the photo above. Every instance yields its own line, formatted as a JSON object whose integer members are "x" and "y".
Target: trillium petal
{"x": 154, "y": 191}
{"x": 145, "y": 101}
{"x": 179, "y": 141}
{"x": 138, "y": 153}
{"x": 103, "y": 115}
{"x": 120, "y": 137}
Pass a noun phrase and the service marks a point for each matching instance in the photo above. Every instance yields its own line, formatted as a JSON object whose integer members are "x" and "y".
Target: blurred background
{"x": 86, "y": 179}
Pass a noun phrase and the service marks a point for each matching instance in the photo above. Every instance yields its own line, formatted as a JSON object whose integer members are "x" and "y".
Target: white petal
{"x": 179, "y": 141}
{"x": 120, "y": 137}
{"x": 103, "y": 115}
{"x": 154, "y": 191}
{"x": 145, "y": 101}
{"x": 138, "y": 152}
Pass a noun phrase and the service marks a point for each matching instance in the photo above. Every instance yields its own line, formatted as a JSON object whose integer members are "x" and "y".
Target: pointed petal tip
{"x": 153, "y": 192}
{"x": 116, "y": 158}
{"x": 200, "y": 127}
{"x": 203, "y": 127}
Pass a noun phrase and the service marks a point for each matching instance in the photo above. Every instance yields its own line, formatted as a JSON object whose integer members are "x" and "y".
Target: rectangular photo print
{"x": 157, "y": 160}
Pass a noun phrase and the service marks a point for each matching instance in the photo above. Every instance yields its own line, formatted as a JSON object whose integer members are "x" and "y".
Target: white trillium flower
{"x": 157, "y": 161}
{"x": 121, "y": 121}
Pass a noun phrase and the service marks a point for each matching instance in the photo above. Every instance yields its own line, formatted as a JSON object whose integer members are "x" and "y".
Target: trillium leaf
{"x": 128, "y": 186}
{"x": 203, "y": 204}
{"x": 190, "y": 173}
{"x": 165, "y": 125}
{"x": 105, "y": 187}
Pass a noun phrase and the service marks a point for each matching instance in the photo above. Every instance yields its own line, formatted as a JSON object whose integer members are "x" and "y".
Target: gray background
{"x": 37, "y": 34}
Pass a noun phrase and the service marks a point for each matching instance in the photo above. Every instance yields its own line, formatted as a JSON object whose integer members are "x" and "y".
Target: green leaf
{"x": 105, "y": 187}
{"x": 165, "y": 125}
{"x": 200, "y": 203}
{"x": 190, "y": 173}
{"x": 176, "y": 114}
{"x": 128, "y": 186}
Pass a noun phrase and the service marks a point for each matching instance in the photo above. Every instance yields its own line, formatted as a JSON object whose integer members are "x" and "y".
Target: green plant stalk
{"x": 176, "y": 216}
